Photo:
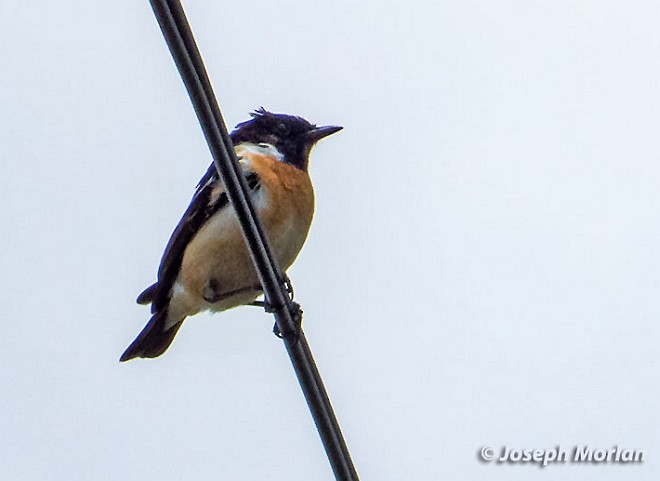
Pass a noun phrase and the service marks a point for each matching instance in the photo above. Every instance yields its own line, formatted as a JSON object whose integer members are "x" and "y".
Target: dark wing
{"x": 206, "y": 202}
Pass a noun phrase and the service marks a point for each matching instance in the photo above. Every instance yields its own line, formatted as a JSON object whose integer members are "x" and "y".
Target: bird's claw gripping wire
{"x": 296, "y": 315}
{"x": 295, "y": 311}
{"x": 288, "y": 286}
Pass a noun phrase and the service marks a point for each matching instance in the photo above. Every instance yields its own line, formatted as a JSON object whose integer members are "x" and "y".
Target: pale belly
{"x": 217, "y": 258}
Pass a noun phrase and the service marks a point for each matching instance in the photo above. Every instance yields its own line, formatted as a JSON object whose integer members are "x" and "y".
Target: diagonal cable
{"x": 180, "y": 40}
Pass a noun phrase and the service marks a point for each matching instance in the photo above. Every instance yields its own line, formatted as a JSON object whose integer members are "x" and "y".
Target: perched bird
{"x": 206, "y": 265}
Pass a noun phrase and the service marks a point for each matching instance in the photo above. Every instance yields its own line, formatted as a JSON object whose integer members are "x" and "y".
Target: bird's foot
{"x": 296, "y": 315}
{"x": 288, "y": 287}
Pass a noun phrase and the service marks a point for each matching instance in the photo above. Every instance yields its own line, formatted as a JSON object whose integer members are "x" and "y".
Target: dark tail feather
{"x": 148, "y": 294}
{"x": 152, "y": 341}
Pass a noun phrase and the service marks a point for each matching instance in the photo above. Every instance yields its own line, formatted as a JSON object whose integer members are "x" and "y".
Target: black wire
{"x": 180, "y": 40}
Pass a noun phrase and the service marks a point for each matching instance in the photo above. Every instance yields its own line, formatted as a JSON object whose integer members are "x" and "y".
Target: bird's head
{"x": 292, "y": 136}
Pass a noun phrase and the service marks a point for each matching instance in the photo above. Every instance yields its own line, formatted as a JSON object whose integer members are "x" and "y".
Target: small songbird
{"x": 206, "y": 264}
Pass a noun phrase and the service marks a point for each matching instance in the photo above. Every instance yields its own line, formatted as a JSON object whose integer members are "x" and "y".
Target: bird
{"x": 206, "y": 264}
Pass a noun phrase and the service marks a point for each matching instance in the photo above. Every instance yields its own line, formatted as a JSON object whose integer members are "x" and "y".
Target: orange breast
{"x": 285, "y": 206}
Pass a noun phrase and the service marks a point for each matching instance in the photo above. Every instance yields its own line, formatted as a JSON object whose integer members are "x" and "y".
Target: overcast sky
{"x": 483, "y": 268}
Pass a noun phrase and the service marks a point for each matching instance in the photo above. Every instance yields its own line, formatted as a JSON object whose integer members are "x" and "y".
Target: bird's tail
{"x": 154, "y": 339}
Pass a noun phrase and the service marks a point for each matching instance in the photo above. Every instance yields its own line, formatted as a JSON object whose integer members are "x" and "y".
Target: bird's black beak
{"x": 319, "y": 133}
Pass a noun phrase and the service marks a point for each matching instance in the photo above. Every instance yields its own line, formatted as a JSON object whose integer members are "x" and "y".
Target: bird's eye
{"x": 264, "y": 145}
{"x": 282, "y": 128}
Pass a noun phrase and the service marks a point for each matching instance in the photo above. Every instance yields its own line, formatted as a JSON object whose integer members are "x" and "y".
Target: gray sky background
{"x": 483, "y": 267}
